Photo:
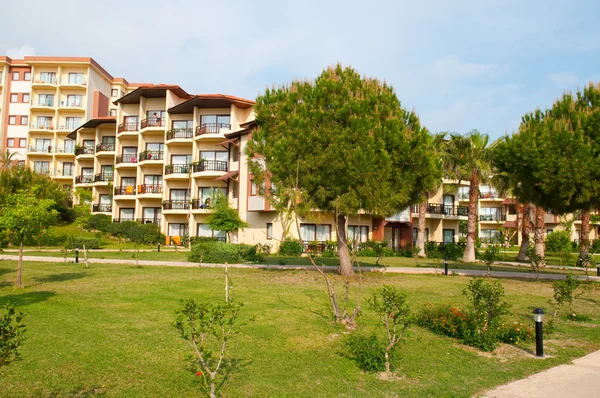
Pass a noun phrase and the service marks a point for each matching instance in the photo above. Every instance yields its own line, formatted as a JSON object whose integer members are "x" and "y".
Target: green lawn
{"x": 105, "y": 331}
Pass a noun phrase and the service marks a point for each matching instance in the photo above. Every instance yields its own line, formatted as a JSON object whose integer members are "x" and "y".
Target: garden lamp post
{"x": 446, "y": 265}
{"x": 76, "y": 256}
{"x": 538, "y": 317}
{"x": 159, "y": 247}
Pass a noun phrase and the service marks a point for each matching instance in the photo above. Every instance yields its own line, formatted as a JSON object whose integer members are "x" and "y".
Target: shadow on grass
{"x": 27, "y": 298}
{"x": 7, "y": 270}
{"x": 68, "y": 276}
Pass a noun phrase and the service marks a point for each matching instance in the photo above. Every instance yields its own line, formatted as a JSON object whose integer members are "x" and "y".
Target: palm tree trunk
{"x": 525, "y": 231}
{"x": 469, "y": 256}
{"x": 584, "y": 242}
{"x": 421, "y": 231}
{"x": 540, "y": 224}
{"x": 343, "y": 253}
{"x": 20, "y": 266}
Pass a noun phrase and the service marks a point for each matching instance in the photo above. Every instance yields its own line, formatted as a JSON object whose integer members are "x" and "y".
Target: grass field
{"x": 104, "y": 331}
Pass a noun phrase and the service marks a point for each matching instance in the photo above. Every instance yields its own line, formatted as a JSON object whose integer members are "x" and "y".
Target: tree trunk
{"x": 20, "y": 266}
{"x": 469, "y": 256}
{"x": 584, "y": 236}
{"x": 540, "y": 224}
{"x": 387, "y": 362}
{"x": 525, "y": 231}
{"x": 213, "y": 393}
{"x": 421, "y": 231}
{"x": 342, "y": 243}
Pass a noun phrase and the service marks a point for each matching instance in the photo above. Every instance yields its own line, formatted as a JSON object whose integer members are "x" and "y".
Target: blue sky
{"x": 460, "y": 65}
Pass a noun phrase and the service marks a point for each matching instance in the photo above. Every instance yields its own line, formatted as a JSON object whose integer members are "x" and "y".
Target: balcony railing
{"x": 47, "y": 103}
{"x": 72, "y": 104}
{"x": 147, "y": 188}
{"x": 492, "y": 217}
{"x": 105, "y": 148}
{"x": 178, "y": 168}
{"x": 103, "y": 177}
{"x": 211, "y": 128}
{"x": 43, "y": 126}
{"x": 180, "y": 133}
{"x": 201, "y": 204}
{"x": 67, "y": 172}
{"x": 152, "y": 220}
{"x": 151, "y": 155}
{"x": 98, "y": 208}
{"x": 84, "y": 179}
{"x": 122, "y": 219}
{"x": 129, "y": 126}
{"x": 48, "y": 80}
{"x": 126, "y": 190}
{"x": 86, "y": 150}
{"x": 154, "y": 122}
{"x": 129, "y": 158}
{"x": 209, "y": 165}
{"x": 489, "y": 195}
{"x": 444, "y": 210}
{"x": 176, "y": 204}
{"x": 40, "y": 150}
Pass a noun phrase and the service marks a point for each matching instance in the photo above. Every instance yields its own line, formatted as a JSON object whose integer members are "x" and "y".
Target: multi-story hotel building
{"x": 155, "y": 153}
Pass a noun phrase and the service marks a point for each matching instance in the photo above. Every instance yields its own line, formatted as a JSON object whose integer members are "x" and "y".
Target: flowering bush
{"x": 444, "y": 319}
{"x": 514, "y": 333}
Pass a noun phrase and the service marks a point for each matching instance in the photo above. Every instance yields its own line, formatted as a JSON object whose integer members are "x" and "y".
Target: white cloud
{"x": 564, "y": 79}
{"x": 20, "y": 52}
{"x": 452, "y": 67}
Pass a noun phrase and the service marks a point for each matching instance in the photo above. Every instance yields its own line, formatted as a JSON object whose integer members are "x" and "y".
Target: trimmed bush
{"x": 78, "y": 243}
{"x": 219, "y": 252}
{"x": 558, "y": 241}
{"x": 291, "y": 247}
{"x": 98, "y": 222}
{"x": 367, "y": 351}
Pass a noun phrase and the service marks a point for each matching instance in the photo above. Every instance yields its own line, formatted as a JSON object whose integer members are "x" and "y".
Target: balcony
{"x": 177, "y": 169}
{"x": 98, "y": 208}
{"x": 125, "y": 127}
{"x": 200, "y": 204}
{"x": 153, "y": 122}
{"x": 47, "y": 81}
{"x": 489, "y": 195}
{"x": 84, "y": 179}
{"x": 85, "y": 150}
{"x": 105, "y": 148}
{"x": 124, "y": 190}
{"x": 444, "y": 210}
{"x": 176, "y": 204}
{"x": 151, "y": 155}
{"x": 123, "y": 219}
{"x": 127, "y": 159}
{"x": 64, "y": 173}
{"x": 72, "y": 104}
{"x": 103, "y": 177}
{"x": 42, "y": 126}
{"x": 179, "y": 134}
{"x": 152, "y": 220}
{"x": 209, "y": 165}
{"x": 32, "y": 149}
{"x": 67, "y": 150}
{"x": 42, "y": 104}
{"x": 149, "y": 189}
{"x": 492, "y": 217}
{"x": 211, "y": 128}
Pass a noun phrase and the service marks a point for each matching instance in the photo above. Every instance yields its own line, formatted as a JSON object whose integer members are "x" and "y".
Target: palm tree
{"x": 438, "y": 145}
{"x": 540, "y": 224}
{"x": 6, "y": 159}
{"x": 468, "y": 159}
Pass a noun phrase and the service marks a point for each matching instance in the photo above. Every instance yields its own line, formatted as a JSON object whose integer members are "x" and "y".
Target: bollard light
{"x": 446, "y": 265}
{"x": 598, "y": 269}
{"x": 538, "y": 317}
{"x": 76, "y": 256}
{"x": 159, "y": 247}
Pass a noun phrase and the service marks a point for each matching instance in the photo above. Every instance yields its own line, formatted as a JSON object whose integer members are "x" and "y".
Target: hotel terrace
{"x": 157, "y": 154}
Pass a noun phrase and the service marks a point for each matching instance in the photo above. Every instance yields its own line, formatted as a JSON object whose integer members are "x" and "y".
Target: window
{"x": 69, "y": 146}
{"x": 114, "y": 92}
{"x": 416, "y": 234}
{"x": 181, "y": 159}
{"x": 67, "y": 170}
{"x": 126, "y": 214}
{"x": 14, "y": 98}
{"x": 22, "y": 142}
{"x": 490, "y": 214}
{"x": 89, "y": 144}
{"x": 15, "y": 75}
{"x": 25, "y": 98}
{"x": 219, "y": 120}
{"x": 156, "y": 118}
{"x": 105, "y": 199}
{"x": 489, "y": 235}
{"x": 179, "y": 194}
{"x": 12, "y": 120}
{"x": 20, "y": 164}
{"x": 358, "y": 233}
{"x": 48, "y": 77}
{"x": 72, "y": 123}
{"x": 448, "y": 236}
{"x": 208, "y": 195}
{"x": 76, "y": 78}
{"x": 315, "y": 232}
{"x": 204, "y": 230}
{"x": 155, "y": 146}
{"x": 549, "y": 231}
{"x": 151, "y": 215}
{"x": 112, "y": 112}
{"x": 10, "y": 142}
{"x": 43, "y": 145}
{"x": 107, "y": 170}
{"x": 24, "y": 120}
{"x": 74, "y": 101}
{"x": 183, "y": 125}
{"x": 46, "y": 100}
{"x": 154, "y": 180}
{"x": 44, "y": 122}
{"x": 269, "y": 230}
{"x": 463, "y": 193}
{"x": 41, "y": 167}
{"x": 178, "y": 229}
{"x": 253, "y": 188}
{"x": 487, "y": 192}
{"x": 235, "y": 190}
{"x": 27, "y": 76}
{"x": 235, "y": 155}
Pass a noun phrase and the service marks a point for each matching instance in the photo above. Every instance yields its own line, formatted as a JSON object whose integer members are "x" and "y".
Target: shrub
{"x": 11, "y": 334}
{"x": 328, "y": 254}
{"x": 558, "y": 241}
{"x": 219, "y": 252}
{"x": 291, "y": 247}
{"x": 367, "y": 351}
{"x": 98, "y": 222}
{"x": 516, "y": 332}
{"x": 373, "y": 248}
{"x": 445, "y": 319}
{"x": 78, "y": 243}
{"x": 453, "y": 251}
{"x": 564, "y": 294}
{"x": 49, "y": 239}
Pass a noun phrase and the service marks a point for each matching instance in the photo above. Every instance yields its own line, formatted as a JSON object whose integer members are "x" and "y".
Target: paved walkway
{"x": 580, "y": 379}
{"x": 392, "y": 270}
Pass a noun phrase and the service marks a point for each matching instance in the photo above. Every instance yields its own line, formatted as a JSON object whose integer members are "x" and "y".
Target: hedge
{"x": 220, "y": 252}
